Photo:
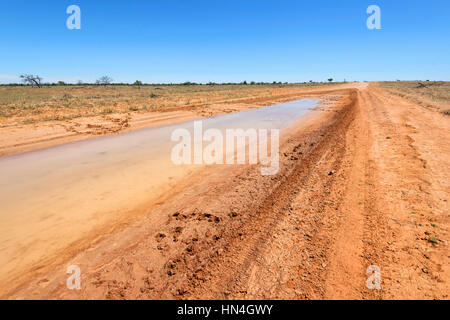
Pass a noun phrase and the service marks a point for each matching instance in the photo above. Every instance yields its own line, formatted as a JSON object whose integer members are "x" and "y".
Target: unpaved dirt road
{"x": 363, "y": 181}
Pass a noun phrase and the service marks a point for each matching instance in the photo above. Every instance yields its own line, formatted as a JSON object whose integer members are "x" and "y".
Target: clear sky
{"x": 225, "y": 41}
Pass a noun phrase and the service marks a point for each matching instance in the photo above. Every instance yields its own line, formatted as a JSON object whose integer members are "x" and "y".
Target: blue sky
{"x": 225, "y": 41}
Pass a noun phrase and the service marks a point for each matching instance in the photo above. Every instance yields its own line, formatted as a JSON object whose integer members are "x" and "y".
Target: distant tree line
{"x": 35, "y": 80}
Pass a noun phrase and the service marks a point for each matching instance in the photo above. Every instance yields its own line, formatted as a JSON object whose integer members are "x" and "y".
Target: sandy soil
{"x": 364, "y": 180}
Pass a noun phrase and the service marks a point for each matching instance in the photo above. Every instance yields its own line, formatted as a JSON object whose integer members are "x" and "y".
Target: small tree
{"x": 105, "y": 80}
{"x": 138, "y": 83}
{"x": 31, "y": 80}
{"x": 331, "y": 79}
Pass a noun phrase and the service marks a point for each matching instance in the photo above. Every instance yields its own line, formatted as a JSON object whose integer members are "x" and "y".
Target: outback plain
{"x": 364, "y": 180}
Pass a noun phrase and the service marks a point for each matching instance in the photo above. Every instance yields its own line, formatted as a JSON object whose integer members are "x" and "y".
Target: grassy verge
{"x": 25, "y": 104}
{"x": 430, "y": 94}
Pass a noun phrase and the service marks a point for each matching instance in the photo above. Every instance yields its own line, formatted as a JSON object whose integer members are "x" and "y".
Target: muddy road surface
{"x": 363, "y": 181}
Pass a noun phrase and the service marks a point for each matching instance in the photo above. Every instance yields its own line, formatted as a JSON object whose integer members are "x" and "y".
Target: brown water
{"x": 54, "y": 197}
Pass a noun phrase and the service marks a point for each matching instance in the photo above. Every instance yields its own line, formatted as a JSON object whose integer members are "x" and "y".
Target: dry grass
{"x": 24, "y": 105}
{"x": 426, "y": 93}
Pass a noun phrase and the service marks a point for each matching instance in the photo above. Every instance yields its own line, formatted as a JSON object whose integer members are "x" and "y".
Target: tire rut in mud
{"x": 227, "y": 272}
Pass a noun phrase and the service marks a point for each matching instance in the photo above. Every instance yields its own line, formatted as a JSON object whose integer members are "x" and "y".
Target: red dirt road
{"x": 365, "y": 181}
